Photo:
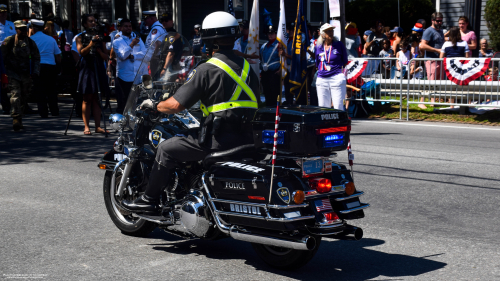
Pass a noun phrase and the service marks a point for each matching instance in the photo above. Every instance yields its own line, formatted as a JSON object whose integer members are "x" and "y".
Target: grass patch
{"x": 391, "y": 111}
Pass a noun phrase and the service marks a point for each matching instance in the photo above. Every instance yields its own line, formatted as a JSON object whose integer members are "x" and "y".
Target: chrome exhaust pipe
{"x": 352, "y": 233}
{"x": 304, "y": 243}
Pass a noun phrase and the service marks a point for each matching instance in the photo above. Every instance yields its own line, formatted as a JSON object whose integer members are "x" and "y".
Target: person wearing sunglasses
{"x": 432, "y": 41}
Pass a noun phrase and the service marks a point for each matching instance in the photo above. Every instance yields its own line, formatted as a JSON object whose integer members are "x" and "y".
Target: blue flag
{"x": 230, "y": 8}
{"x": 298, "y": 73}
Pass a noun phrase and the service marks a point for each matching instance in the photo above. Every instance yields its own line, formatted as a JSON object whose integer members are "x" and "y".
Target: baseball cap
{"x": 3, "y": 8}
{"x": 165, "y": 18}
{"x": 418, "y": 27}
{"x": 197, "y": 26}
{"x": 397, "y": 29}
{"x": 368, "y": 32}
{"x": 20, "y": 24}
{"x": 326, "y": 27}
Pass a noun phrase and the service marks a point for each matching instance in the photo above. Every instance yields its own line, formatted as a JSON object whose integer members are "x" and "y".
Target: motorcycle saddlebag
{"x": 303, "y": 130}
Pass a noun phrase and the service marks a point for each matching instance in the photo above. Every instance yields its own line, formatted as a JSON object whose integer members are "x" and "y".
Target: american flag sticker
{"x": 323, "y": 205}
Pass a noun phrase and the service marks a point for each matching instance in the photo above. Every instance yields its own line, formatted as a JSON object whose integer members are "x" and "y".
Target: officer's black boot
{"x": 149, "y": 202}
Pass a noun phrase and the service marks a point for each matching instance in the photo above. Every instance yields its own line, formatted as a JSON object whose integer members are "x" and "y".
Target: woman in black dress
{"x": 92, "y": 72}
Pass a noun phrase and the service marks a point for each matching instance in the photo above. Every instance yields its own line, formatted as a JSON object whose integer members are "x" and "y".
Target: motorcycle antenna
{"x": 276, "y": 123}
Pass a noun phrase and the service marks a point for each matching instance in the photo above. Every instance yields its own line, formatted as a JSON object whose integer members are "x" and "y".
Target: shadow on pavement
{"x": 43, "y": 139}
{"x": 335, "y": 260}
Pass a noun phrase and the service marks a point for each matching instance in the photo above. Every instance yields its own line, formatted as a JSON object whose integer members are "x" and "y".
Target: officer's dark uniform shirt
{"x": 173, "y": 43}
{"x": 212, "y": 85}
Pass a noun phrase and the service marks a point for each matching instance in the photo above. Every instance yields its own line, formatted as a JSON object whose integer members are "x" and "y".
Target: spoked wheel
{"x": 285, "y": 258}
{"x": 123, "y": 219}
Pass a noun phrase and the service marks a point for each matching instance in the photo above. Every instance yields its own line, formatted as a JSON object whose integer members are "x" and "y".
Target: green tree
{"x": 492, "y": 17}
{"x": 365, "y": 12}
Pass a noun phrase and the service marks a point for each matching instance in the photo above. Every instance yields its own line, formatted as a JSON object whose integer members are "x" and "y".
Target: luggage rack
{"x": 255, "y": 209}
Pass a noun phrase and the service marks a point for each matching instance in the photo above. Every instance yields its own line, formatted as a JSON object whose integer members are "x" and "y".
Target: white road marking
{"x": 425, "y": 125}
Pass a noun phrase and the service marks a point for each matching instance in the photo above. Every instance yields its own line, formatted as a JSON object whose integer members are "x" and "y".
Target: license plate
{"x": 244, "y": 209}
{"x": 353, "y": 205}
{"x": 310, "y": 167}
{"x": 292, "y": 214}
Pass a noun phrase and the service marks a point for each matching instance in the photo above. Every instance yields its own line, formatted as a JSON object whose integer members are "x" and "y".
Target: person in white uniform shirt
{"x": 130, "y": 51}
{"x": 113, "y": 34}
{"x": 50, "y": 54}
{"x": 7, "y": 28}
{"x": 156, "y": 28}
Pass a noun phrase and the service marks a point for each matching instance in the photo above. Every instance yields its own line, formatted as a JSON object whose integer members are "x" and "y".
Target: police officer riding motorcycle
{"x": 216, "y": 177}
{"x": 228, "y": 103}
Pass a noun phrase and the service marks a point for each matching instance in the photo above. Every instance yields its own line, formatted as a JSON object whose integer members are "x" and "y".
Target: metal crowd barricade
{"x": 380, "y": 81}
{"x": 424, "y": 88}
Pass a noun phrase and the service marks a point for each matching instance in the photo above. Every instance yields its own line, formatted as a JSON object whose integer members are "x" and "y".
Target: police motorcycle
{"x": 229, "y": 193}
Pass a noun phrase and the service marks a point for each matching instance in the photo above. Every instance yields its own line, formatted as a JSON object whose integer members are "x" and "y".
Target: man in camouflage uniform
{"x": 22, "y": 64}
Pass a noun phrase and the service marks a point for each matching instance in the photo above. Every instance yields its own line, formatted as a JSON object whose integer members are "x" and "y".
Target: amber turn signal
{"x": 350, "y": 188}
{"x": 298, "y": 196}
{"x": 102, "y": 166}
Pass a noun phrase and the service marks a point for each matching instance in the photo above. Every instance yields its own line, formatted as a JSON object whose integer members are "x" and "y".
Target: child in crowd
{"x": 404, "y": 57}
{"x": 492, "y": 74}
{"x": 386, "y": 53}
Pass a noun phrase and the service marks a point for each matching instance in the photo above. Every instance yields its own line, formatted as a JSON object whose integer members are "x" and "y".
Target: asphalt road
{"x": 434, "y": 189}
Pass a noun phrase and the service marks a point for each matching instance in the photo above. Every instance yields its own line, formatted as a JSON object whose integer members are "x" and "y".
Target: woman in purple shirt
{"x": 331, "y": 57}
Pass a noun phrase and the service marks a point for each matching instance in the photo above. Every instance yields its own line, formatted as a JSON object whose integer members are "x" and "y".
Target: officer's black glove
{"x": 149, "y": 103}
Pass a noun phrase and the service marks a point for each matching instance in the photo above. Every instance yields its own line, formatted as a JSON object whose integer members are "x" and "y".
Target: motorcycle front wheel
{"x": 284, "y": 258}
{"x": 123, "y": 219}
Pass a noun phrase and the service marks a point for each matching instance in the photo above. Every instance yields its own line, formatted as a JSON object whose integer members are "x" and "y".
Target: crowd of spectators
{"x": 115, "y": 63}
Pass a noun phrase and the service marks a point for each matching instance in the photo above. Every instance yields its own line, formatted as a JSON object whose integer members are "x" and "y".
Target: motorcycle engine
{"x": 193, "y": 216}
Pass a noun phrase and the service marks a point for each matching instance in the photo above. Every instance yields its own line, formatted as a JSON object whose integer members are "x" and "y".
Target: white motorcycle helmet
{"x": 220, "y": 25}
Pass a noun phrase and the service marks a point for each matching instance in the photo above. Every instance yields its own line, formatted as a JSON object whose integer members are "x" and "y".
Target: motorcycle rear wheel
{"x": 284, "y": 258}
{"x": 128, "y": 224}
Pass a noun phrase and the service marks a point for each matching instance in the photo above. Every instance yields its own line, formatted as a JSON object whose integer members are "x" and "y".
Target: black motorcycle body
{"x": 284, "y": 209}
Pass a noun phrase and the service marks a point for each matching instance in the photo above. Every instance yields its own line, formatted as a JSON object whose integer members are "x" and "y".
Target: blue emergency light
{"x": 333, "y": 140}
{"x": 268, "y": 136}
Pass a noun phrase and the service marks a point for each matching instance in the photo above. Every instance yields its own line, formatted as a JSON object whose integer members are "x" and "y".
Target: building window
{"x": 148, "y": 5}
{"x": 24, "y": 9}
{"x": 316, "y": 10}
{"x": 240, "y": 7}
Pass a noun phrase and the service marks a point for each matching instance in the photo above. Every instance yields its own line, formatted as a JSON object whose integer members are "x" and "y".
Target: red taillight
{"x": 333, "y": 130}
{"x": 256, "y": 198}
{"x": 321, "y": 185}
{"x": 331, "y": 216}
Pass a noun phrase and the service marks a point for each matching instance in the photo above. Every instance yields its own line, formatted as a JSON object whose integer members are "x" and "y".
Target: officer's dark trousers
{"x": 170, "y": 152}
{"x": 271, "y": 86}
{"x": 122, "y": 89}
{"x": 46, "y": 91}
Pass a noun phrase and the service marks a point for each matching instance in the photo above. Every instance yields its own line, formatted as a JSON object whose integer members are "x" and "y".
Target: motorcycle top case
{"x": 302, "y": 130}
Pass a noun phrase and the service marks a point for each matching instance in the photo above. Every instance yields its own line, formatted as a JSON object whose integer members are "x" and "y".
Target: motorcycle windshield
{"x": 164, "y": 68}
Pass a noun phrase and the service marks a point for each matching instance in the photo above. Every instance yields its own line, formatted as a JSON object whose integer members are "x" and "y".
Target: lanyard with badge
{"x": 324, "y": 65}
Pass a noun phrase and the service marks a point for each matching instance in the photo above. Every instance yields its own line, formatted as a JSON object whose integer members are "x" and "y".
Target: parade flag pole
{"x": 282, "y": 38}
{"x": 276, "y": 123}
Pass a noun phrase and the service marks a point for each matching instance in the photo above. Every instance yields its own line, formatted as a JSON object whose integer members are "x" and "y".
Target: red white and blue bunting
{"x": 354, "y": 69}
{"x": 461, "y": 72}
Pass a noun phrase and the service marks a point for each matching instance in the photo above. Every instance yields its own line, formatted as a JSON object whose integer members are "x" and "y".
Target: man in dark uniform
{"x": 228, "y": 90}
{"x": 270, "y": 66}
{"x": 197, "y": 42}
{"x": 171, "y": 49}
{"x": 22, "y": 64}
